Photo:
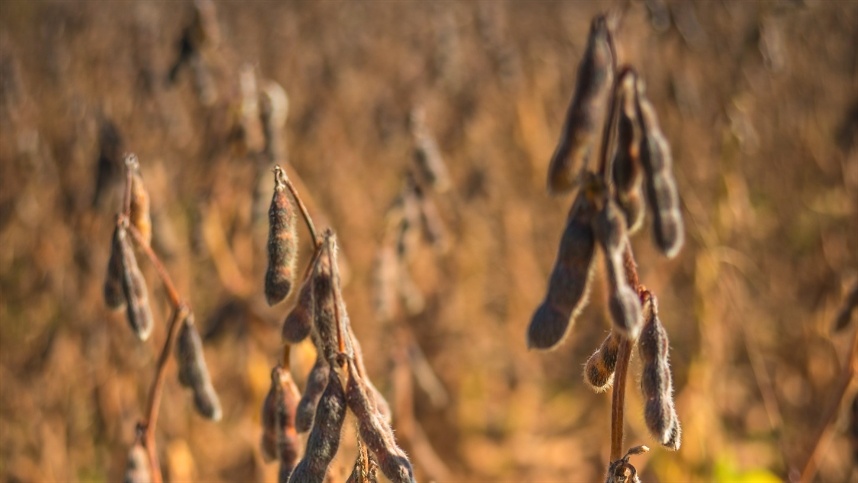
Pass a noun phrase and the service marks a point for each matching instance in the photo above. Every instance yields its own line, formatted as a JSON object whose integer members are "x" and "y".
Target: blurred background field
{"x": 758, "y": 99}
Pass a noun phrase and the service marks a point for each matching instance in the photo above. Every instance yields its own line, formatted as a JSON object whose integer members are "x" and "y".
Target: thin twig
{"x": 823, "y": 434}
{"x": 281, "y": 174}
{"x": 130, "y": 165}
{"x": 172, "y": 293}
{"x": 156, "y": 390}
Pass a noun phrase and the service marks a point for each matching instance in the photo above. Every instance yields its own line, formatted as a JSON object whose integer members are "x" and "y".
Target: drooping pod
{"x": 282, "y": 242}
{"x": 329, "y": 315}
{"x": 660, "y": 184}
{"x": 382, "y": 408}
{"x": 137, "y": 466}
{"x": 140, "y": 215}
{"x": 279, "y": 438}
{"x": 609, "y": 226}
{"x": 586, "y": 111}
{"x": 656, "y": 383}
{"x": 376, "y": 433}
{"x": 600, "y": 367}
{"x": 570, "y": 279}
{"x": 316, "y": 382}
{"x": 626, "y": 165}
{"x": 114, "y": 297}
{"x": 134, "y": 288}
{"x": 324, "y": 439}
{"x": 299, "y": 322}
{"x": 193, "y": 371}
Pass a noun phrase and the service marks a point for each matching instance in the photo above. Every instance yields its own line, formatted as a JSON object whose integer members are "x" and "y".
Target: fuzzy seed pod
{"x": 382, "y": 408}
{"x": 375, "y": 433}
{"x": 656, "y": 383}
{"x": 137, "y": 467}
{"x": 324, "y": 439}
{"x": 609, "y": 227}
{"x": 279, "y": 438}
{"x": 134, "y": 288}
{"x": 599, "y": 370}
{"x": 299, "y": 322}
{"x": 140, "y": 216}
{"x": 114, "y": 297}
{"x": 282, "y": 242}
{"x": 626, "y": 168}
{"x": 661, "y": 188}
{"x": 329, "y": 318}
{"x": 193, "y": 371}
{"x": 316, "y": 382}
{"x": 584, "y": 117}
{"x": 570, "y": 278}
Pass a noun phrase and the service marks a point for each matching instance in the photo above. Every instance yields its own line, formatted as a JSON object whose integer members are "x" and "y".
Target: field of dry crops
{"x": 758, "y": 99}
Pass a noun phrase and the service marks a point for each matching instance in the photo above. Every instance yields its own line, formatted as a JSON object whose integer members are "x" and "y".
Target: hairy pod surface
{"x": 626, "y": 165}
{"x": 609, "y": 227}
{"x": 134, "y": 288}
{"x": 583, "y": 119}
{"x": 137, "y": 466}
{"x": 375, "y": 433}
{"x": 141, "y": 215}
{"x": 316, "y": 382}
{"x": 279, "y": 438}
{"x": 114, "y": 297}
{"x": 621, "y": 471}
{"x": 299, "y": 322}
{"x": 193, "y": 371}
{"x": 330, "y": 319}
{"x": 661, "y": 190}
{"x": 570, "y": 278}
{"x": 282, "y": 242}
{"x": 324, "y": 439}
{"x": 600, "y": 367}
{"x": 656, "y": 382}
{"x": 379, "y": 403}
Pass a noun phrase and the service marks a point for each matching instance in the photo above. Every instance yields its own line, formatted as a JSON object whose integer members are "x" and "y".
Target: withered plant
{"x": 632, "y": 170}
{"x": 125, "y": 289}
{"x": 338, "y": 381}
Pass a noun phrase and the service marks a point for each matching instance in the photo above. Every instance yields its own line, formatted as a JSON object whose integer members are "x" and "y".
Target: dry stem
{"x": 280, "y": 173}
{"x": 172, "y": 293}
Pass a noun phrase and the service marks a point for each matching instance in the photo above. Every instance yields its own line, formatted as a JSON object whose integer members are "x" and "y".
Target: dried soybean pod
{"x": 584, "y": 117}
{"x": 282, "y": 242}
{"x": 376, "y": 398}
{"x": 193, "y": 371}
{"x": 427, "y": 155}
{"x": 299, "y": 322}
{"x": 365, "y": 469}
{"x": 656, "y": 383}
{"x": 599, "y": 370}
{"x": 570, "y": 279}
{"x": 329, "y": 317}
{"x": 140, "y": 216}
{"x": 279, "y": 438}
{"x": 609, "y": 227}
{"x": 135, "y": 291}
{"x": 324, "y": 439}
{"x": 376, "y": 433}
{"x": 114, "y": 297}
{"x": 660, "y": 185}
{"x": 626, "y": 168}
{"x": 137, "y": 467}
{"x": 316, "y": 382}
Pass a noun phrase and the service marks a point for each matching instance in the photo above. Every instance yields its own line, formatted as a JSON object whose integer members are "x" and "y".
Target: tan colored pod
{"x": 134, "y": 288}
{"x": 282, "y": 242}
{"x": 586, "y": 111}
{"x": 141, "y": 213}
{"x": 600, "y": 367}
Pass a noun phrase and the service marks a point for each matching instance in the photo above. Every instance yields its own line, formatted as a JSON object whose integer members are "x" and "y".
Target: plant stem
{"x": 172, "y": 293}
{"x": 179, "y": 315}
{"x": 280, "y": 173}
{"x": 130, "y": 165}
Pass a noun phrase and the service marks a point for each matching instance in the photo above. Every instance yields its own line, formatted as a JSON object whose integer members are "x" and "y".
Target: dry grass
{"x": 757, "y": 98}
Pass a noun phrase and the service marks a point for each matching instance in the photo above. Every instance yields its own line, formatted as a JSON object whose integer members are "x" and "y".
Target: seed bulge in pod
{"x": 134, "y": 288}
{"x": 193, "y": 372}
{"x": 114, "y": 297}
{"x": 282, "y": 242}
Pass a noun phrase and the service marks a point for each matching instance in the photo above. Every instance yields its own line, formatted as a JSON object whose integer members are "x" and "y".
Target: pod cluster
{"x": 612, "y": 150}
{"x": 337, "y": 383}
